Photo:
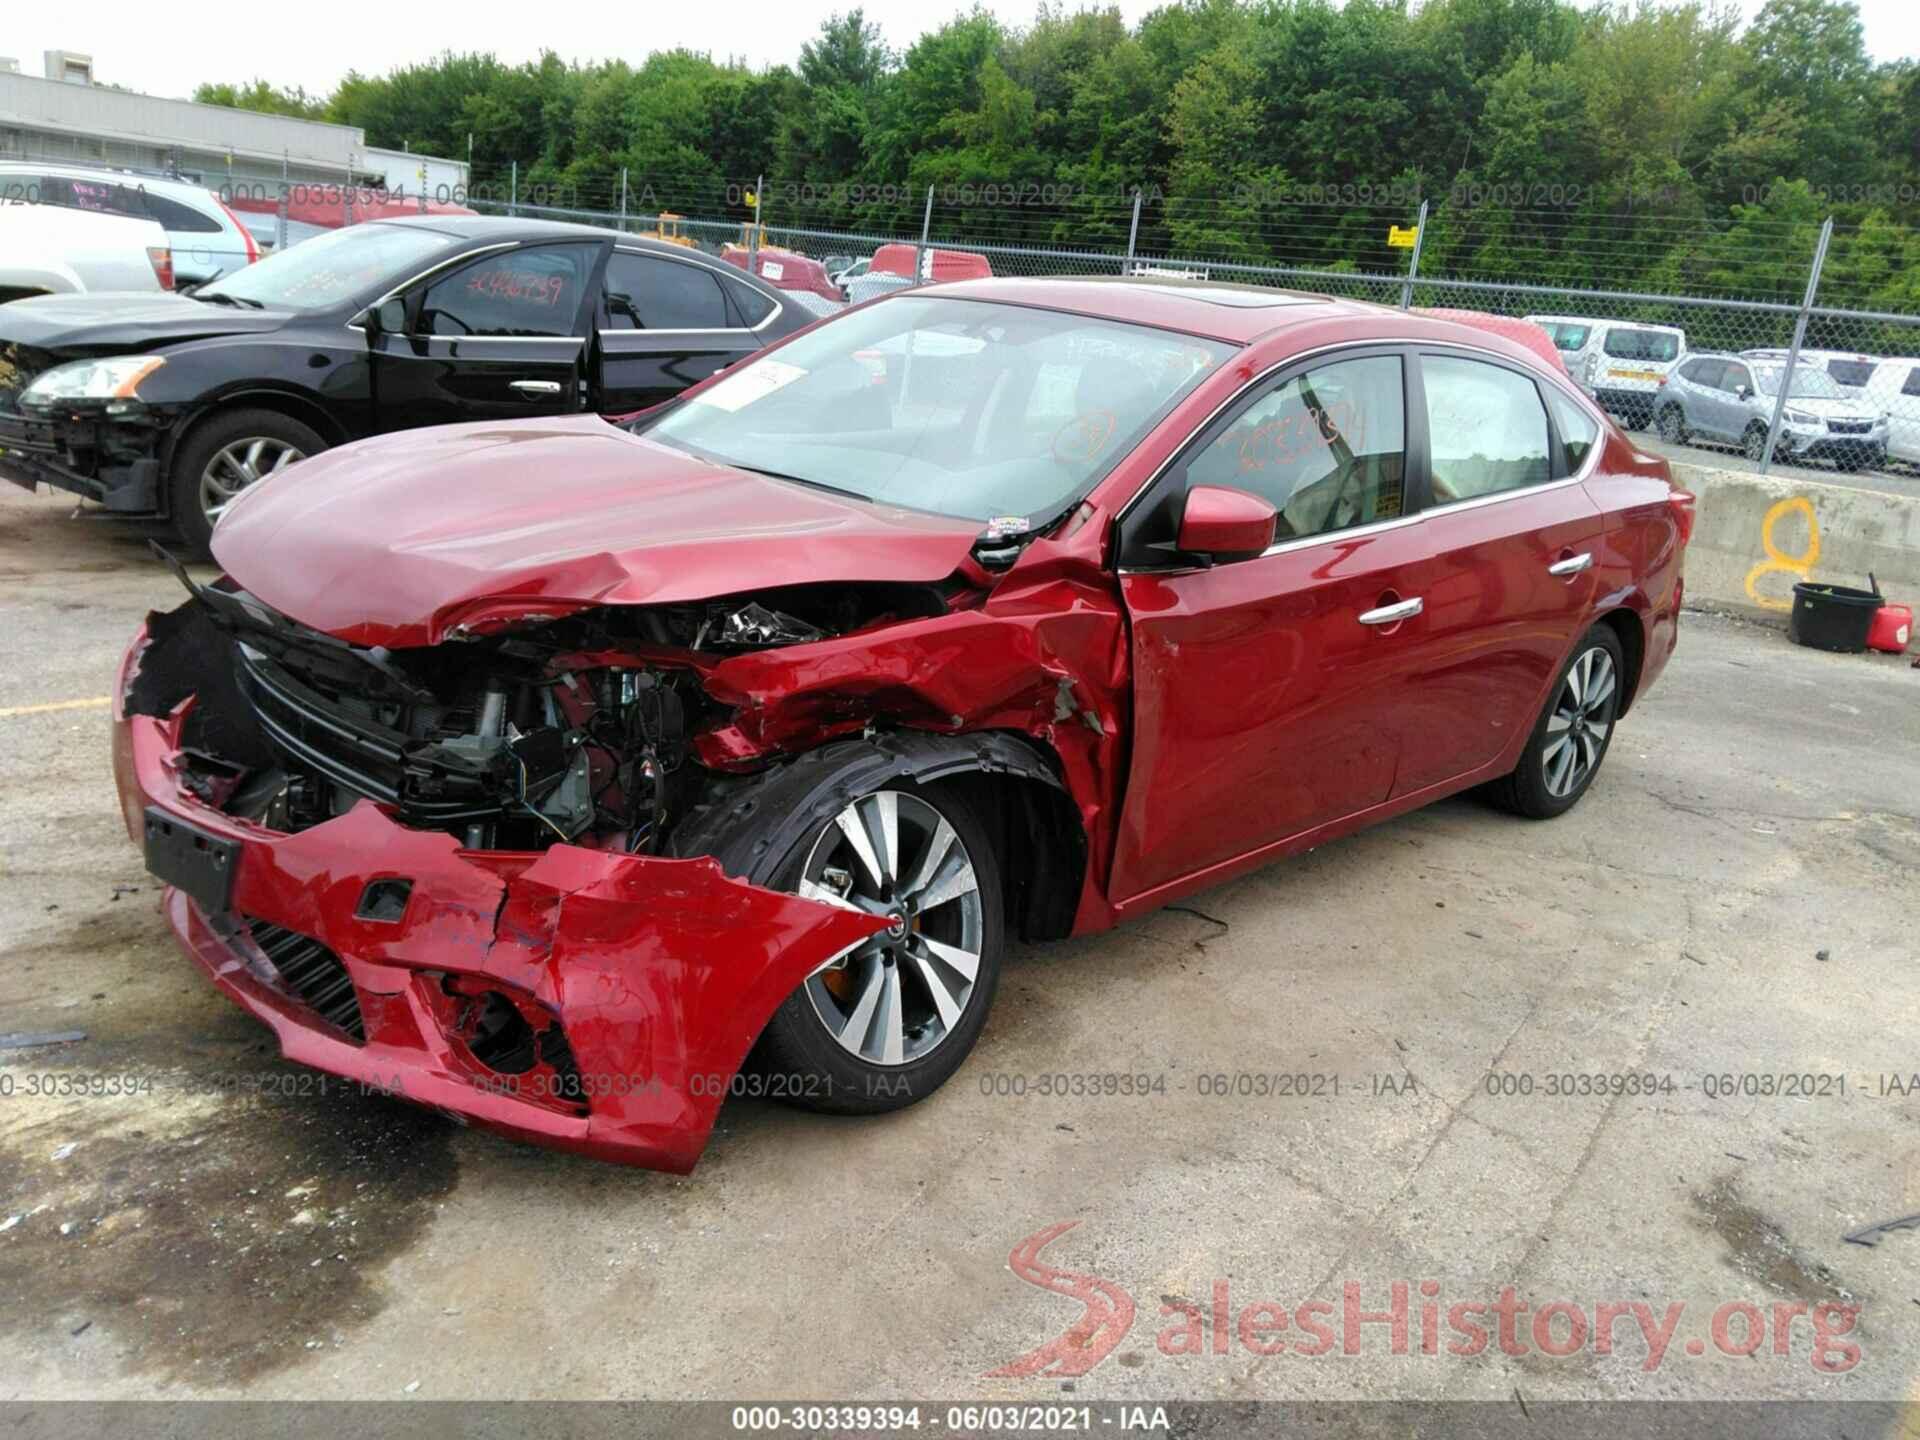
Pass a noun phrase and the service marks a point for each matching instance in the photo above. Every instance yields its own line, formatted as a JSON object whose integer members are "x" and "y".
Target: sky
{"x": 130, "y": 49}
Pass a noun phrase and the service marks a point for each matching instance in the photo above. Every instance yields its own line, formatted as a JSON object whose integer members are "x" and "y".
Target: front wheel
{"x": 890, "y": 1022}
{"x": 1754, "y": 443}
{"x": 1570, "y": 738}
{"x": 1673, "y": 426}
{"x": 222, "y": 456}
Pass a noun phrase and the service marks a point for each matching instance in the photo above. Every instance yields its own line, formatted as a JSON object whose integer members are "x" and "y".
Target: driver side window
{"x": 1327, "y": 448}
{"x": 532, "y": 292}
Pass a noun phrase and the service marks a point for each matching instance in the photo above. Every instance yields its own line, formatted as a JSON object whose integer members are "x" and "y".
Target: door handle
{"x": 536, "y": 387}
{"x": 1392, "y": 614}
{"x": 1572, "y": 565}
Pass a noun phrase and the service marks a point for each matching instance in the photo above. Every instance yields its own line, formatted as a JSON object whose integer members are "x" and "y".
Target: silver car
{"x": 1729, "y": 400}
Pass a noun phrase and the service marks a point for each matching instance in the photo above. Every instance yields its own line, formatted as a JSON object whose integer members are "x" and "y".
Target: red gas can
{"x": 1891, "y": 628}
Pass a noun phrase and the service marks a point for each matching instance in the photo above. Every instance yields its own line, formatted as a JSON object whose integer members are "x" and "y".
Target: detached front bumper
{"x": 113, "y": 461}
{"x": 616, "y": 995}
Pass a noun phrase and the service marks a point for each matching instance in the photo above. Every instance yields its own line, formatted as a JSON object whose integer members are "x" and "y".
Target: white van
{"x": 1848, "y": 369}
{"x": 1625, "y": 363}
{"x": 1571, "y": 336}
{"x": 1894, "y": 386}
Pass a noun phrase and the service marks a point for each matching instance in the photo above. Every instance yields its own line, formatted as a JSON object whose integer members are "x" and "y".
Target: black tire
{"x": 1673, "y": 425}
{"x": 1754, "y": 443}
{"x": 751, "y": 835}
{"x": 1530, "y": 790}
{"x": 217, "y": 433}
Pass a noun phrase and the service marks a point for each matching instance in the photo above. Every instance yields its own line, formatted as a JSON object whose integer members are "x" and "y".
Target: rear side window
{"x": 645, "y": 292}
{"x": 1577, "y": 430}
{"x": 172, "y": 215}
{"x": 1656, "y": 345}
{"x": 1486, "y": 429}
{"x": 1705, "y": 372}
{"x": 1327, "y": 448}
{"x": 534, "y": 292}
{"x": 1912, "y": 387}
{"x": 751, "y": 306}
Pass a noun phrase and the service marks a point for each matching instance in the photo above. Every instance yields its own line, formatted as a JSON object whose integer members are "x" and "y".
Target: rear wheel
{"x": 1571, "y": 737}
{"x": 222, "y": 456}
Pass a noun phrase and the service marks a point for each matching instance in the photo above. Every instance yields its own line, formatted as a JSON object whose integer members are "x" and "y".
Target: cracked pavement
{"x": 1735, "y": 898}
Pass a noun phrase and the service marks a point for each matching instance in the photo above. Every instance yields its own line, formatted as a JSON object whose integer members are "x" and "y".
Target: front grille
{"x": 313, "y": 973}
{"x": 1850, "y": 427}
{"x": 350, "y": 749}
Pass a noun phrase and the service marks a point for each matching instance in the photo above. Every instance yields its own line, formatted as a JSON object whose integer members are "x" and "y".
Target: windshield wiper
{"x": 220, "y": 298}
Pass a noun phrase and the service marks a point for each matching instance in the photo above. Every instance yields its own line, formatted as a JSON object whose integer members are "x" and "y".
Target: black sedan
{"x": 167, "y": 406}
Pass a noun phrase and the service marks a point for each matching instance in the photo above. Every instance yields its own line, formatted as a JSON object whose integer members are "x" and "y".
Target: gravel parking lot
{"x": 1732, "y": 909}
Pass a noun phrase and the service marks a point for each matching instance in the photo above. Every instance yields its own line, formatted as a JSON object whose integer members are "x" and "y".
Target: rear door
{"x": 664, "y": 324}
{"x": 1708, "y": 411}
{"x": 1510, "y": 535}
{"x": 1267, "y": 691}
{"x": 499, "y": 337}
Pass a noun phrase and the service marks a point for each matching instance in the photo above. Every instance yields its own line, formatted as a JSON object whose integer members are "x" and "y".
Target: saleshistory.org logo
{"x": 1411, "y": 1317}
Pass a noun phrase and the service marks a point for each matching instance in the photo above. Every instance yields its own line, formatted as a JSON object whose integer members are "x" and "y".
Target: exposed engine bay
{"x": 576, "y": 730}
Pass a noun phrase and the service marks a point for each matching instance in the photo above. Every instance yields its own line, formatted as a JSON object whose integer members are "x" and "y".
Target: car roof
{"x": 1237, "y": 314}
{"x": 507, "y": 227}
{"x": 160, "y": 184}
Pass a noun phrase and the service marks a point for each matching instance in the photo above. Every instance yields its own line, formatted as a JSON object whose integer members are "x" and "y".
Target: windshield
{"x": 1658, "y": 345}
{"x": 1808, "y": 383}
{"x": 330, "y": 268}
{"x": 962, "y": 407}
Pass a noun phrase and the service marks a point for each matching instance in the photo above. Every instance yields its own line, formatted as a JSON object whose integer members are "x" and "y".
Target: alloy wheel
{"x": 236, "y": 466}
{"x": 1672, "y": 429}
{"x": 1582, "y": 718}
{"x": 899, "y": 996}
{"x": 1756, "y": 445}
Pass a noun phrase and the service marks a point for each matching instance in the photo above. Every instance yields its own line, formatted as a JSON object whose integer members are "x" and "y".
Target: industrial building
{"x": 67, "y": 115}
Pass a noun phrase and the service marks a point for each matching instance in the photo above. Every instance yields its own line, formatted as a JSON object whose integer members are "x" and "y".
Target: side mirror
{"x": 1744, "y": 392}
{"x": 1225, "y": 524}
{"x": 391, "y": 317}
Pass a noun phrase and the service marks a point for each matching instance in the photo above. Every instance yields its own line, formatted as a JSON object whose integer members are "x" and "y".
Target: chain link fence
{"x": 1738, "y": 351}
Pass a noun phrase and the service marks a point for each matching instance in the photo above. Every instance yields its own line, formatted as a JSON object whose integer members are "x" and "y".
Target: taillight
{"x": 161, "y": 258}
{"x": 1681, "y": 503}
{"x": 253, "y": 246}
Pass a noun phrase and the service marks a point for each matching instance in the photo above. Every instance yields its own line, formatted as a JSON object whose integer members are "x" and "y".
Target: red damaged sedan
{"x": 551, "y": 772}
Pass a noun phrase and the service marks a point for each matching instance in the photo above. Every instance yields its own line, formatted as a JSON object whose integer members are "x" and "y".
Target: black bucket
{"x": 1832, "y": 617}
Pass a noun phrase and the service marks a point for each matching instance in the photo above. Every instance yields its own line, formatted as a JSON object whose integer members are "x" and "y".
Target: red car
{"x": 542, "y": 770}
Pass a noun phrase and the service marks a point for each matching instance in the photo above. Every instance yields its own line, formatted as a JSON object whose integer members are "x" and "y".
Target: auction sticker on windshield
{"x": 756, "y": 382}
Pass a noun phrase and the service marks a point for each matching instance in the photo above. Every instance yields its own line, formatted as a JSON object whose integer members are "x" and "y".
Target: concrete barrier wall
{"x": 1755, "y": 536}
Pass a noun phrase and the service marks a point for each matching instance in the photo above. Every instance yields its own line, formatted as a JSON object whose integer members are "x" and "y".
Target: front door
{"x": 1266, "y": 690}
{"x": 498, "y": 338}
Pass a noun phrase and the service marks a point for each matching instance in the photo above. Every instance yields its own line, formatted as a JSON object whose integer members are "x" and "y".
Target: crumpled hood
{"x": 398, "y": 540}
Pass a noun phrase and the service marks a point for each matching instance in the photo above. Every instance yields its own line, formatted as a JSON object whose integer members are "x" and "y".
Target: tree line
{"x": 1664, "y": 147}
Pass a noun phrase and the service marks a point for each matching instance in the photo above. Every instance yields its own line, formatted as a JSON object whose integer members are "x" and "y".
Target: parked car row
{"x": 1857, "y": 411}
{"x": 205, "y": 236}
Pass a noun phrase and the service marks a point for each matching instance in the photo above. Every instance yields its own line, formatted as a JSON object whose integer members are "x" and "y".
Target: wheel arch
{"x": 1014, "y": 778}
{"x": 1631, "y": 631}
{"x": 300, "y": 408}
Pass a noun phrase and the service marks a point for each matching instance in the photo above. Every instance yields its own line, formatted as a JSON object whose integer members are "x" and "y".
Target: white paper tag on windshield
{"x": 757, "y": 381}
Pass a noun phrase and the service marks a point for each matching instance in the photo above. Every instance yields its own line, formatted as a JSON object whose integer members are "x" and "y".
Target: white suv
{"x": 48, "y": 251}
{"x": 206, "y": 239}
